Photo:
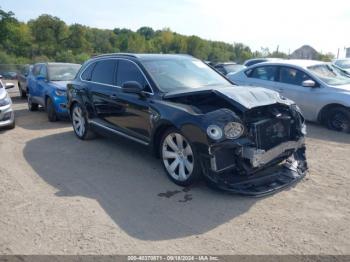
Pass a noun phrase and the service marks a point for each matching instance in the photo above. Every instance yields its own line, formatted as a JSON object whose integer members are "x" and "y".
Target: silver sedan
{"x": 7, "y": 116}
{"x": 321, "y": 90}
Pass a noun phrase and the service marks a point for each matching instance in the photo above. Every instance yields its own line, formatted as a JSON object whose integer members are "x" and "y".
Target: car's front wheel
{"x": 179, "y": 158}
{"x": 339, "y": 119}
{"x": 80, "y": 124}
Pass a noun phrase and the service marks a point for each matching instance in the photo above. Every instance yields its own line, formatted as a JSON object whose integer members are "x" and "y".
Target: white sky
{"x": 325, "y": 25}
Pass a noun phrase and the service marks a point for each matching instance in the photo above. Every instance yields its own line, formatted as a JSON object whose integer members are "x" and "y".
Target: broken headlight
{"x": 233, "y": 130}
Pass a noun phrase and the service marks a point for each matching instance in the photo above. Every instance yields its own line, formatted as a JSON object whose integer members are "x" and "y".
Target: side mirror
{"x": 132, "y": 87}
{"x": 308, "y": 83}
{"x": 9, "y": 85}
{"x": 40, "y": 78}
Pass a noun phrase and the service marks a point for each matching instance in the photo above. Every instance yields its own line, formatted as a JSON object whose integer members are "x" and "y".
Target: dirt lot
{"x": 60, "y": 195}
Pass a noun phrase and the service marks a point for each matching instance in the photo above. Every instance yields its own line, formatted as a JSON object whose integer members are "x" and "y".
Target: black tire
{"x": 32, "y": 106}
{"x": 22, "y": 93}
{"x": 338, "y": 119}
{"x": 192, "y": 176}
{"x": 87, "y": 133}
{"x": 50, "y": 109}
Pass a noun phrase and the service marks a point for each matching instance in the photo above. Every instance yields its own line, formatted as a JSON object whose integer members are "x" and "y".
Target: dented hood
{"x": 247, "y": 97}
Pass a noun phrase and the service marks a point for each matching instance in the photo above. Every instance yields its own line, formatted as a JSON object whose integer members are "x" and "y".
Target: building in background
{"x": 305, "y": 52}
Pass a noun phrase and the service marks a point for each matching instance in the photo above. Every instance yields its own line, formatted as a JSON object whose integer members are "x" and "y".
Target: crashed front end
{"x": 258, "y": 152}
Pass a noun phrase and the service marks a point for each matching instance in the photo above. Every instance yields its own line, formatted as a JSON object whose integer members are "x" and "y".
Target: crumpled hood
{"x": 246, "y": 96}
{"x": 60, "y": 84}
{"x": 251, "y": 97}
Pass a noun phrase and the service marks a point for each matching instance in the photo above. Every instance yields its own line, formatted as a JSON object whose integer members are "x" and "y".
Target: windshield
{"x": 63, "y": 72}
{"x": 345, "y": 64}
{"x": 329, "y": 74}
{"x": 183, "y": 73}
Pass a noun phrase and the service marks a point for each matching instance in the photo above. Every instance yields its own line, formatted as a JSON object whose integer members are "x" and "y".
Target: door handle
{"x": 113, "y": 96}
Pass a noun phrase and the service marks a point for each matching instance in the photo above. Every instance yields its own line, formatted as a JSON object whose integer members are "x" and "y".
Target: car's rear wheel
{"x": 80, "y": 124}
{"x": 179, "y": 158}
{"x": 32, "y": 106}
{"x": 338, "y": 119}
{"x": 51, "y": 112}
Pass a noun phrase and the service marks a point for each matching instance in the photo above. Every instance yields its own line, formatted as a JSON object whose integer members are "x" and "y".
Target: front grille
{"x": 269, "y": 133}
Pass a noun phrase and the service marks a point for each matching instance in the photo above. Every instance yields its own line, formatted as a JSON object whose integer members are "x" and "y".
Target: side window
{"x": 128, "y": 71}
{"x": 36, "y": 70}
{"x": 43, "y": 71}
{"x": 292, "y": 76}
{"x": 86, "y": 75}
{"x": 267, "y": 73}
{"x": 103, "y": 72}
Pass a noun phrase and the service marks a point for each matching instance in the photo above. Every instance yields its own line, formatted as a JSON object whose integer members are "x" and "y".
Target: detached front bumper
{"x": 257, "y": 172}
{"x": 7, "y": 116}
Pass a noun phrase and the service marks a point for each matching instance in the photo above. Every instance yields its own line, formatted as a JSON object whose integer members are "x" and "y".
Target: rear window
{"x": 103, "y": 72}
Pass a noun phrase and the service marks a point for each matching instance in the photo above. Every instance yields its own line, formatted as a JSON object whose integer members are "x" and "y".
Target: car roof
{"x": 293, "y": 62}
{"x": 143, "y": 56}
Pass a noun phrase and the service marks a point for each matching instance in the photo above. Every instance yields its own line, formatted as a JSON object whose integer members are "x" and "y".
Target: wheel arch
{"x": 157, "y": 136}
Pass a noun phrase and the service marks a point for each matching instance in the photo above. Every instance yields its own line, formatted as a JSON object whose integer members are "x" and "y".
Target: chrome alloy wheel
{"x": 177, "y": 157}
{"x": 78, "y": 121}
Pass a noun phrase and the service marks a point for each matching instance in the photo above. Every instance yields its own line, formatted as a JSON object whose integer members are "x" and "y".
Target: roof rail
{"x": 115, "y": 54}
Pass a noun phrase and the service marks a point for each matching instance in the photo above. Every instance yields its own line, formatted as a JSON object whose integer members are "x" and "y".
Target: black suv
{"x": 242, "y": 139}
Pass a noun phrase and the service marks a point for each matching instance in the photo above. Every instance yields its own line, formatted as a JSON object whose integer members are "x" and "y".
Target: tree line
{"x": 48, "y": 38}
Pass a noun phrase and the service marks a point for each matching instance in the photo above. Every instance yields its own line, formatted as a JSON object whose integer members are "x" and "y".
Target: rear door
{"x": 102, "y": 88}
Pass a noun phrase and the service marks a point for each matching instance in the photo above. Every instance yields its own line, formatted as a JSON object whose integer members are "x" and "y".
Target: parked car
{"x": 7, "y": 116}
{"x": 245, "y": 140}
{"x": 255, "y": 61}
{"x": 9, "y": 75}
{"x": 229, "y": 67}
{"x": 47, "y": 86}
{"x": 22, "y": 80}
{"x": 343, "y": 64}
{"x": 319, "y": 89}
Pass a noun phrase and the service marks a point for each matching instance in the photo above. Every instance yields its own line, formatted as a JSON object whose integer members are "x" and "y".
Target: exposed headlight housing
{"x": 60, "y": 92}
{"x": 5, "y": 101}
{"x": 214, "y": 132}
{"x": 233, "y": 130}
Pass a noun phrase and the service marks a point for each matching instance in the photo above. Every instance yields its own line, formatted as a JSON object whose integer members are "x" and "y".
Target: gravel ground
{"x": 60, "y": 195}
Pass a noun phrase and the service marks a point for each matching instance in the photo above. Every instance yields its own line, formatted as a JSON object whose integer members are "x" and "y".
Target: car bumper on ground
{"x": 7, "y": 116}
{"x": 257, "y": 172}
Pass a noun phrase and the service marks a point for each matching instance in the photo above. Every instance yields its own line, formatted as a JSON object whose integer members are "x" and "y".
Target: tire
{"x": 80, "y": 124}
{"x": 22, "y": 93}
{"x": 50, "y": 109}
{"x": 338, "y": 119}
{"x": 32, "y": 106}
{"x": 179, "y": 158}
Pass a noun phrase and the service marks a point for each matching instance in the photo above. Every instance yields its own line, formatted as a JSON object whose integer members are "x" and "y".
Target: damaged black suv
{"x": 242, "y": 139}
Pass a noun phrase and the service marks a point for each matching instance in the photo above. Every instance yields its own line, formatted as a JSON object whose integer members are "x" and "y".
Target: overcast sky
{"x": 325, "y": 25}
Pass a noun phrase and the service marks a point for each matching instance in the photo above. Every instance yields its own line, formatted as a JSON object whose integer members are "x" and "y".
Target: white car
{"x": 7, "y": 116}
{"x": 321, "y": 90}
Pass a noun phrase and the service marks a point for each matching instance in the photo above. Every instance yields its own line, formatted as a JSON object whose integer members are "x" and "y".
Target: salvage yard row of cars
{"x": 246, "y": 139}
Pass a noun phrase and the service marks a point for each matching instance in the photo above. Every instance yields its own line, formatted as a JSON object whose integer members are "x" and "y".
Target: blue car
{"x": 47, "y": 85}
